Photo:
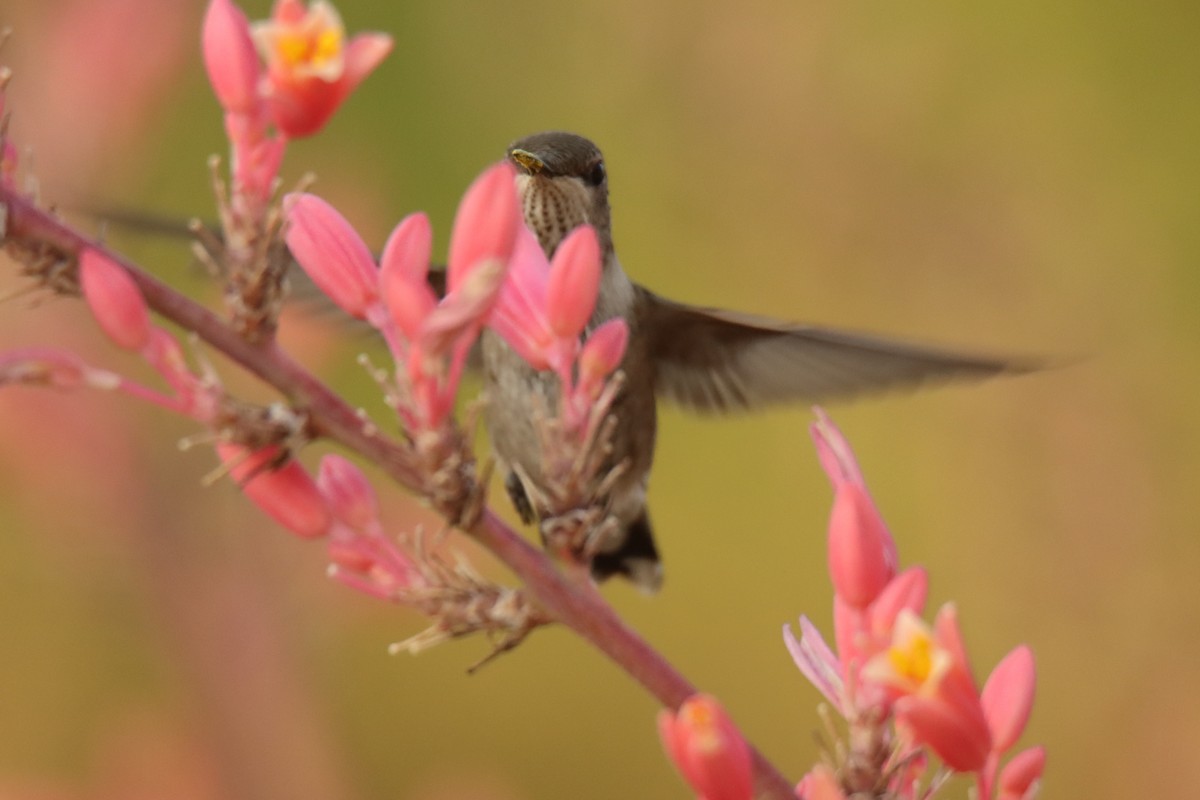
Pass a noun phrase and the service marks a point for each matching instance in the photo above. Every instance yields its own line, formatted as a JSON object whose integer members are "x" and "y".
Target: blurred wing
{"x": 715, "y": 361}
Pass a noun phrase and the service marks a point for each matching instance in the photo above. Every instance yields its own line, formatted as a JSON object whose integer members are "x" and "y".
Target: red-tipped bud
{"x": 230, "y": 58}
{"x": 707, "y": 749}
{"x": 486, "y": 225}
{"x": 573, "y": 283}
{"x": 115, "y": 300}
{"x": 332, "y": 253}
{"x": 860, "y": 561}
{"x": 1020, "y": 777}
{"x": 1007, "y": 697}
{"x": 286, "y": 492}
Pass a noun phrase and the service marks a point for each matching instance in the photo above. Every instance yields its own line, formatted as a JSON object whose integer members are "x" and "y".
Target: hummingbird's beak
{"x": 527, "y": 161}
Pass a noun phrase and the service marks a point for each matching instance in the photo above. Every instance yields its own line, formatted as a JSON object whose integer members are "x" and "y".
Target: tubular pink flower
{"x": 286, "y": 492}
{"x": 1007, "y": 697}
{"x": 603, "y": 351}
{"x": 860, "y": 561}
{"x": 402, "y": 274}
{"x": 520, "y": 313}
{"x": 820, "y": 784}
{"x": 310, "y": 68}
{"x": 707, "y": 749}
{"x": 230, "y": 58}
{"x": 936, "y": 697}
{"x": 573, "y": 283}
{"x": 1020, "y": 777}
{"x": 115, "y": 301}
{"x": 347, "y": 492}
{"x": 486, "y": 225}
{"x": 331, "y": 252}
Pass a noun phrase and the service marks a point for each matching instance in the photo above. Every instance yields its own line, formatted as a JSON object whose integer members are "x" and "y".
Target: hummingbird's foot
{"x": 520, "y": 500}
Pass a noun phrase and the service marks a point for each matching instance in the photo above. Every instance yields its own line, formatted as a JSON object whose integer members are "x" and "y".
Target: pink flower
{"x": 601, "y": 355}
{"x": 1020, "y": 777}
{"x": 115, "y": 300}
{"x": 311, "y": 69}
{"x": 707, "y": 749}
{"x": 573, "y": 283}
{"x": 230, "y": 58}
{"x": 431, "y": 339}
{"x": 327, "y": 248}
{"x": 285, "y": 491}
{"x": 936, "y": 699}
{"x": 862, "y": 553}
{"x": 1008, "y": 697}
{"x": 544, "y": 307}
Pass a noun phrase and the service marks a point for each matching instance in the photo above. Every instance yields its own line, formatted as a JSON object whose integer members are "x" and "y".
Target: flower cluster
{"x": 903, "y": 686}
{"x": 290, "y": 72}
{"x": 275, "y": 80}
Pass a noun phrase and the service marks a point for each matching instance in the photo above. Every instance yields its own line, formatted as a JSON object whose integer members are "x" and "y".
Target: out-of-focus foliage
{"x": 1018, "y": 177}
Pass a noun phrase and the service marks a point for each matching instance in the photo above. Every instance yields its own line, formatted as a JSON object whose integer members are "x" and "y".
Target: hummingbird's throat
{"x": 553, "y": 208}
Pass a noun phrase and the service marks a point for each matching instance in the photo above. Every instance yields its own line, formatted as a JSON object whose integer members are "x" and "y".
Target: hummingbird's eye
{"x": 596, "y": 176}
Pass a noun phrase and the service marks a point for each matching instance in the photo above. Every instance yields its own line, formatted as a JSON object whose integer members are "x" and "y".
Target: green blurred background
{"x": 1014, "y": 177}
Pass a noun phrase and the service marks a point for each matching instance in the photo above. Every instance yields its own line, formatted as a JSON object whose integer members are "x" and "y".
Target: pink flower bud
{"x": 402, "y": 274}
{"x": 286, "y": 492}
{"x": 860, "y": 561}
{"x": 230, "y": 58}
{"x": 114, "y": 299}
{"x": 486, "y": 225}
{"x": 573, "y": 283}
{"x": 603, "y": 351}
{"x": 707, "y": 749}
{"x": 1007, "y": 697}
{"x": 332, "y": 253}
{"x": 1020, "y": 776}
{"x": 348, "y": 493}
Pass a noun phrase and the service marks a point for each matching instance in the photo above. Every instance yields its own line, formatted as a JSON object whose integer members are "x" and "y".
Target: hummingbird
{"x": 705, "y": 360}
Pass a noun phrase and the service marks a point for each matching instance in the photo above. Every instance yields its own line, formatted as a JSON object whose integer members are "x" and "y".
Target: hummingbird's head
{"x": 563, "y": 184}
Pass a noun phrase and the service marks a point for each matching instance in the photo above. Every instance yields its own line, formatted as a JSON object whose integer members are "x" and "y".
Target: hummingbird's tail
{"x": 636, "y": 558}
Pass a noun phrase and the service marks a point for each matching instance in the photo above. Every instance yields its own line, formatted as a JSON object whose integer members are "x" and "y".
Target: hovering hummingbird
{"x": 706, "y": 360}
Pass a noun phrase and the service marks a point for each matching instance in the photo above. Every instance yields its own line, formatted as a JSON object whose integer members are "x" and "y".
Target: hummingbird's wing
{"x": 714, "y": 361}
